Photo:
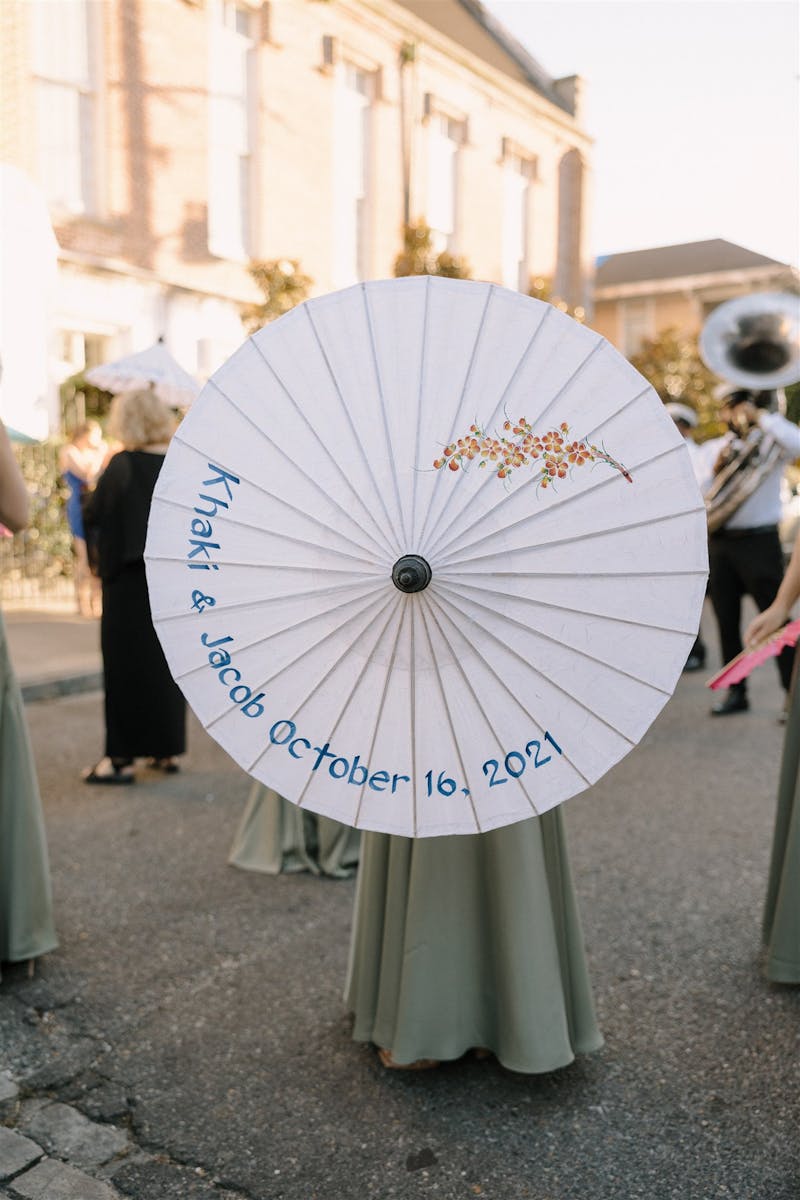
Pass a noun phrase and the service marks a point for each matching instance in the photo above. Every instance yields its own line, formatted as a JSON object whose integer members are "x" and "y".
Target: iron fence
{"x": 36, "y": 565}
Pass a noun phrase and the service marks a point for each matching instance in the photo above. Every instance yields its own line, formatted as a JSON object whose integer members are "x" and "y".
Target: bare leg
{"x": 84, "y": 580}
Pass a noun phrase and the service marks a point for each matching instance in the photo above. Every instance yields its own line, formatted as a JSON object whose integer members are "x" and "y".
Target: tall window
{"x": 231, "y": 103}
{"x": 517, "y": 175}
{"x": 445, "y": 135}
{"x": 637, "y": 324}
{"x": 65, "y": 75}
{"x": 352, "y": 171}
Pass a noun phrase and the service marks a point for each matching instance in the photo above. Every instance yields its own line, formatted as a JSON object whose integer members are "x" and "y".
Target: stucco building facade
{"x": 642, "y": 293}
{"x": 175, "y": 141}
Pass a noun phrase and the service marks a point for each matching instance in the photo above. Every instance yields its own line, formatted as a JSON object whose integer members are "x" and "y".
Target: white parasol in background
{"x": 154, "y": 367}
{"x": 427, "y": 556}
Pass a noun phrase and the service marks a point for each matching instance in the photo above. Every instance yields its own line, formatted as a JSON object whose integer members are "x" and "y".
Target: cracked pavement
{"x": 193, "y": 1016}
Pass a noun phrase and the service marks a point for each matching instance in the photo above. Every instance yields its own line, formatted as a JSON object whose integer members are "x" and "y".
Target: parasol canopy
{"x": 427, "y": 556}
{"x": 154, "y": 367}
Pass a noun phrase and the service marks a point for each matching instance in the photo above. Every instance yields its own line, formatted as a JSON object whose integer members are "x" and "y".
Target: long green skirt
{"x": 473, "y": 941}
{"x": 26, "y": 911}
{"x": 275, "y": 836}
{"x": 782, "y": 908}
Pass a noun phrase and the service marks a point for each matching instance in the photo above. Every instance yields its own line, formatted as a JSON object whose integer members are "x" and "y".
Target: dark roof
{"x": 667, "y": 262}
{"x": 489, "y": 40}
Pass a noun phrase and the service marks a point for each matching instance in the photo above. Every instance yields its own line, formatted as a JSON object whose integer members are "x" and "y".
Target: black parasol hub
{"x": 411, "y": 573}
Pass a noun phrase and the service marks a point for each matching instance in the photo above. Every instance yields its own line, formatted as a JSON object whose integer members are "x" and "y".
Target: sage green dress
{"x": 473, "y": 941}
{"x": 275, "y": 836}
{"x": 782, "y": 909}
{"x": 26, "y": 911}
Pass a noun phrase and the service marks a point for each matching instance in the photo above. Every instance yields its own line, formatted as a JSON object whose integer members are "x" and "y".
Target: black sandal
{"x": 167, "y": 765}
{"x": 107, "y": 770}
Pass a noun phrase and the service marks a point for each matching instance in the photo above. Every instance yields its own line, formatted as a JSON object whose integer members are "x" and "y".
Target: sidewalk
{"x": 54, "y": 653}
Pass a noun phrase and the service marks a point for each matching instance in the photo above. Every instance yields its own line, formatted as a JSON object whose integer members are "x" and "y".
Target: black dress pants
{"x": 745, "y": 562}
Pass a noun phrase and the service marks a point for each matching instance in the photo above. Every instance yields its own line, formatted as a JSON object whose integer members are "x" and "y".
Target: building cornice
{"x": 385, "y": 14}
{"x": 117, "y": 266}
{"x": 742, "y": 277}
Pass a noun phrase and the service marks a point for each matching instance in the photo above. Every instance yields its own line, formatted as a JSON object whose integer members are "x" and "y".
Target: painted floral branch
{"x": 552, "y": 452}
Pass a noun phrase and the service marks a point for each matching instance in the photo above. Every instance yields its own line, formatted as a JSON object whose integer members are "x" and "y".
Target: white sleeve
{"x": 704, "y": 455}
{"x": 785, "y": 432}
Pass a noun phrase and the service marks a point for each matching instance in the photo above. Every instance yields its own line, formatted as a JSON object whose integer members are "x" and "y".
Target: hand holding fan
{"x": 769, "y": 647}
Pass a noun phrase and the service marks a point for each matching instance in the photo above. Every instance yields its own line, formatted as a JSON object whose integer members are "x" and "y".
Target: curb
{"x": 53, "y": 689}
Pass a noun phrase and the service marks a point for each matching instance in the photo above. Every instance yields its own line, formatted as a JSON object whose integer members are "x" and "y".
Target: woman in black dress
{"x": 145, "y": 711}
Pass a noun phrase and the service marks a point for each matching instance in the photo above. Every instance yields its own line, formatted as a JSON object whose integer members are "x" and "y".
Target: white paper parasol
{"x": 154, "y": 367}
{"x": 416, "y": 648}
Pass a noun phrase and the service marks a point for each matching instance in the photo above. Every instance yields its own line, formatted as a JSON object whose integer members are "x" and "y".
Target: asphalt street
{"x": 199, "y": 1007}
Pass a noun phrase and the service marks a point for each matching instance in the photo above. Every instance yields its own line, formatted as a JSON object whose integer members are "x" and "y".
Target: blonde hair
{"x": 139, "y": 419}
{"x": 82, "y": 430}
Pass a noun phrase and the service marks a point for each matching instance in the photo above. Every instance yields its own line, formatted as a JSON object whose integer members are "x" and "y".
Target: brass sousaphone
{"x": 753, "y": 343}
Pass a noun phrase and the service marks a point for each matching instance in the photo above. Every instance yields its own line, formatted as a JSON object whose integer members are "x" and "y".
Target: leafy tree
{"x": 419, "y": 257}
{"x": 32, "y": 562}
{"x": 283, "y": 286}
{"x": 541, "y": 288}
{"x": 82, "y": 401}
{"x": 671, "y": 363}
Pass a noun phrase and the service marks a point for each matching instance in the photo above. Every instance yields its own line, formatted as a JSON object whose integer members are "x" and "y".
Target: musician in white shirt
{"x": 745, "y": 554}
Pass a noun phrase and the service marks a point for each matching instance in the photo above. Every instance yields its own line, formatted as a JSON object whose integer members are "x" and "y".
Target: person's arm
{"x": 15, "y": 503}
{"x": 784, "y": 431}
{"x": 100, "y": 460}
{"x": 93, "y": 502}
{"x": 777, "y": 614}
{"x": 72, "y": 459}
{"x": 111, "y": 449}
{"x": 704, "y": 456}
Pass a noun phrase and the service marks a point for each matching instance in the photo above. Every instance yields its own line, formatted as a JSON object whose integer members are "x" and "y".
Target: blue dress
{"x": 77, "y": 487}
